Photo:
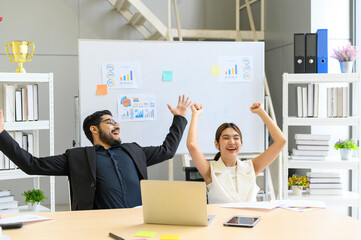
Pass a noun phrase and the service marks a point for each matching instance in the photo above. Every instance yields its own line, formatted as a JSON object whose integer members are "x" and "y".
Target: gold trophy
{"x": 20, "y": 54}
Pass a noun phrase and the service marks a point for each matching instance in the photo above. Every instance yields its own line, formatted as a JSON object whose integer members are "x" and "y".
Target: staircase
{"x": 151, "y": 27}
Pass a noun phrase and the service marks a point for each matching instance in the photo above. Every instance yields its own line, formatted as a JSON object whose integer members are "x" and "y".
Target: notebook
{"x": 175, "y": 202}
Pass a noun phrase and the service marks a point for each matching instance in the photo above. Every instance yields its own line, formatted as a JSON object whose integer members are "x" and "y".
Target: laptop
{"x": 175, "y": 202}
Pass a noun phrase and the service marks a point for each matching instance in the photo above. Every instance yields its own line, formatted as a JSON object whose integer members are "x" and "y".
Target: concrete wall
{"x": 283, "y": 19}
{"x": 55, "y": 27}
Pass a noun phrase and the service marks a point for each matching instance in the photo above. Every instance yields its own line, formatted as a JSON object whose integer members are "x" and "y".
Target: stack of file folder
{"x": 311, "y": 52}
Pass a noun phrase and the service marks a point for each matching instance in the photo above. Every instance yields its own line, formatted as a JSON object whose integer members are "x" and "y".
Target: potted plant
{"x": 346, "y": 56}
{"x": 297, "y": 184}
{"x": 345, "y": 146}
{"x": 33, "y": 198}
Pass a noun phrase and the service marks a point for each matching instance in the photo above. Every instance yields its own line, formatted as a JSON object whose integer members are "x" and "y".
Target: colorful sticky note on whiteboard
{"x": 169, "y": 237}
{"x": 216, "y": 70}
{"x": 167, "y": 75}
{"x": 145, "y": 234}
{"x": 102, "y": 89}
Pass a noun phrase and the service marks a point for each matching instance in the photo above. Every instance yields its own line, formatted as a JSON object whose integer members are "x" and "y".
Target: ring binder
{"x": 322, "y": 51}
{"x": 311, "y": 53}
{"x": 299, "y": 52}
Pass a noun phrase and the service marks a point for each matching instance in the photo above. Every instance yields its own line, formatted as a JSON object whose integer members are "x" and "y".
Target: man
{"x": 107, "y": 174}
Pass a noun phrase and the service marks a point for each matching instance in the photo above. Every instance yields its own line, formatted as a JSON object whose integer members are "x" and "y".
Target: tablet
{"x": 242, "y": 221}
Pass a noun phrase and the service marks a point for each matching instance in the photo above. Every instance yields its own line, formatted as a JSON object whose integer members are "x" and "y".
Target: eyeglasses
{"x": 111, "y": 121}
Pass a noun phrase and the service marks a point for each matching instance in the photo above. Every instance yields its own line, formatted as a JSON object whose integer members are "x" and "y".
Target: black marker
{"x": 115, "y": 236}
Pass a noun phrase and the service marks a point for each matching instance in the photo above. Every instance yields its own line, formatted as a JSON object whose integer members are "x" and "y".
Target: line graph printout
{"x": 236, "y": 69}
{"x": 121, "y": 74}
{"x": 136, "y": 107}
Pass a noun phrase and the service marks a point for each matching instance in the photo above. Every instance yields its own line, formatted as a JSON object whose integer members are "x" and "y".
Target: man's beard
{"x": 108, "y": 138}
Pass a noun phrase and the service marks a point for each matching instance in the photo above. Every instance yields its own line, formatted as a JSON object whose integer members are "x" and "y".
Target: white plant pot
{"x": 296, "y": 190}
{"x": 346, "y": 67}
{"x": 33, "y": 208}
{"x": 345, "y": 154}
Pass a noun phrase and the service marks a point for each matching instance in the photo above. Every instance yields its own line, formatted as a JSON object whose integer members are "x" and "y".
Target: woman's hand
{"x": 197, "y": 109}
{"x": 256, "y": 107}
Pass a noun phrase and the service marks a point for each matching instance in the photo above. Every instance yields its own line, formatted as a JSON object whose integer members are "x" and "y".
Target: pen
{"x": 115, "y": 236}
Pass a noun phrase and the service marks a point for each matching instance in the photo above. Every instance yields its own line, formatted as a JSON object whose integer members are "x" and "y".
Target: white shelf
{"x": 322, "y": 78}
{"x": 27, "y": 125}
{"x": 24, "y": 77}
{"x": 296, "y": 121}
{"x": 347, "y": 198}
{"x": 327, "y": 164}
{"x": 34, "y": 126}
{"x": 25, "y": 209}
{"x": 15, "y": 174}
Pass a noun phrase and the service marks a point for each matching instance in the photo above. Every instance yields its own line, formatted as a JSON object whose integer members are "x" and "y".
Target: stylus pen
{"x": 115, "y": 236}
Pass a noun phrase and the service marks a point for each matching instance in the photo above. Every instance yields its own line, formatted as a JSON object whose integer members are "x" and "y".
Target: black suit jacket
{"x": 79, "y": 163}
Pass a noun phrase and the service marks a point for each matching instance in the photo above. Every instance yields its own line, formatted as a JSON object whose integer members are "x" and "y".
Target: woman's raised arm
{"x": 198, "y": 158}
{"x": 279, "y": 141}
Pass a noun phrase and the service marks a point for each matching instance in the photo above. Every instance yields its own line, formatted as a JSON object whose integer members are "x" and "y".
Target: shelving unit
{"x": 349, "y": 198}
{"x": 33, "y": 126}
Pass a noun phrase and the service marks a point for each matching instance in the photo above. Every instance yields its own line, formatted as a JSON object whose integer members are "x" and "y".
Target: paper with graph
{"x": 136, "y": 107}
{"x": 118, "y": 75}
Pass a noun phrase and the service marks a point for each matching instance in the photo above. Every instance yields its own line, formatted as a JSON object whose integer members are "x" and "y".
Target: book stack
{"x": 7, "y": 203}
{"x": 308, "y": 100}
{"x": 21, "y": 103}
{"x": 337, "y": 102}
{"x": 324, "y": 183}
{"x": 311, "y": 147}
{"x": 25, "y": 140}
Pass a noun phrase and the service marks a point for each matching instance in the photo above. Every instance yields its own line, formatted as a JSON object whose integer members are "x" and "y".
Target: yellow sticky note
{"x": 169, "y": 237}
{"x": 102, "y": 89}
{"x": 216, "y": 70}
{"x": 145, "y": 234}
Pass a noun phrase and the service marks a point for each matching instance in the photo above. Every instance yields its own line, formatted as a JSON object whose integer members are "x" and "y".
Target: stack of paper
{"x": 7, "y": 203}
{"x": 294, "y": 205}
{"x": 324, "y": 183}
{"x": 311, "y": 147}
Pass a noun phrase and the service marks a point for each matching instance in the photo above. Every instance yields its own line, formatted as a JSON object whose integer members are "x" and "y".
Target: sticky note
{"x": 145, "y": 234}
{"x": 216, "y": 70}
{"x": 167, "y": 75}
{"x": 169, "y": 237}
{"x": 102, "y": 89}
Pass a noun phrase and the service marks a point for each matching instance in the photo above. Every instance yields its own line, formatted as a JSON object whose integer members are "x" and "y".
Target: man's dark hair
{"x": 93, "y": 120}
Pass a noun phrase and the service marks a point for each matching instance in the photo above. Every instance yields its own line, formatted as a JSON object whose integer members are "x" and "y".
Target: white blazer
{"x": 222, "y": 189}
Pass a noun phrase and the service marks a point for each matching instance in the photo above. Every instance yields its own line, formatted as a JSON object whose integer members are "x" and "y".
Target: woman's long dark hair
{"x": 219, "y": 131}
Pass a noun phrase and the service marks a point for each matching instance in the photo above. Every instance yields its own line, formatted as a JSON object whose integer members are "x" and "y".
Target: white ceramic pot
{"x": 296, "y": 190}
{"x": 33, "y": 208}
{"x": 346, "y": 67}
{"x": 345, "y": 154}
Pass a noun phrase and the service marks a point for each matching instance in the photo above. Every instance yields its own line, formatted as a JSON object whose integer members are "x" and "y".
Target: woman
{"x": 228, "y": 179}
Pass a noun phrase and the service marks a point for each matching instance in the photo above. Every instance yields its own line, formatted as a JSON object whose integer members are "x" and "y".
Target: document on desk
{"x": 301, "y": 205}
{"x": 295, "y": 205}
{"x": 24, "y": 218}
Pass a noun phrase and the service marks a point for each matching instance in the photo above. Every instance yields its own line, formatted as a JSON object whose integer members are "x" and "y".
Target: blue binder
{"x": 322, "y": 51}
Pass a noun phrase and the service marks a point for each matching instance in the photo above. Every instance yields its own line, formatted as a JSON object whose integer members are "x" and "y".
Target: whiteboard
{"x": 191, "y": 65}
